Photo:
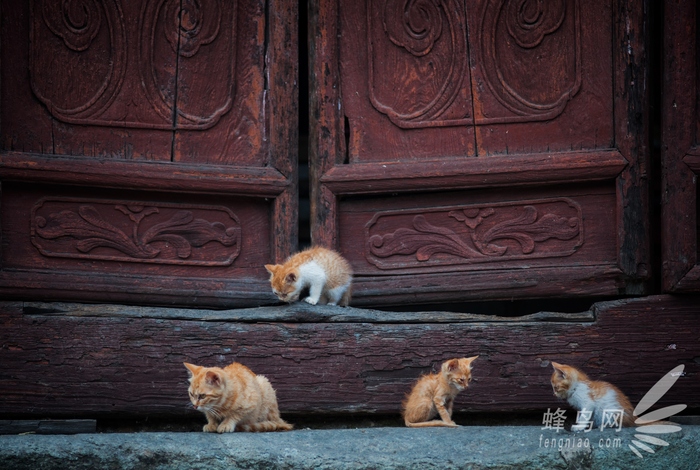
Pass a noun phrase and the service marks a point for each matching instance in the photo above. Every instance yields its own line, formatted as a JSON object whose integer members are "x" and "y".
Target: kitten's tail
{"x": 266, "y": 426}
{"x": 345, "y": 299}
{"x": 431, "y": 424}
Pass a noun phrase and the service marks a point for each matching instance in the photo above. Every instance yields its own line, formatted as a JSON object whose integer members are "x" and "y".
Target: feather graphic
{"x": 652, "y": 396}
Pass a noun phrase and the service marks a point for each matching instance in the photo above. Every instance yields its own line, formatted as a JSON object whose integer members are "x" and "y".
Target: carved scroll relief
{"x": 528, "y": 53}
{"x": 81, "y": 50}
{"x": 418, "y": 63}
{"x": 78, "y": 56}
{"x": 136, "y": 232}
{"x": 515, "y": 36}
{"x": 461, "y": 235}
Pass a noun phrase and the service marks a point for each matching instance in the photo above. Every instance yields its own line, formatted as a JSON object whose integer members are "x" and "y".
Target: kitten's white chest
{"x": 580, "y": 397}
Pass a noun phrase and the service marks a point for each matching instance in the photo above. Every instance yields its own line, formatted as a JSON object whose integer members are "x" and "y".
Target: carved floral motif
{"x": 493, "y": 232}
{"x": 96, "y": 230}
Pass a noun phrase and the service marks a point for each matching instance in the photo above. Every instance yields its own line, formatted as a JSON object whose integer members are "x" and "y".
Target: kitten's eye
{"x": 201, "y": 396}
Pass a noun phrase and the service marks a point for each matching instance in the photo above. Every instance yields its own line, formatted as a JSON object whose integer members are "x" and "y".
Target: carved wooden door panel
{"x": 493, "y": 149}
{"x": 681, "y": 149}
{"x": 148, "y": 149}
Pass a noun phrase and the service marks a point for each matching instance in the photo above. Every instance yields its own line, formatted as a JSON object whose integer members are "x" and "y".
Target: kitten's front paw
{"x": 311, "y": 301}
{"x": 452, "y": 424}
{"x": 226, "y": 427}
{"x": 209, "y": 427}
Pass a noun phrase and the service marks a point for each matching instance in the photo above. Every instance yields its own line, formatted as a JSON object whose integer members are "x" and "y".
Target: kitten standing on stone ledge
{"x": 326, "y": 274}
{"x": 234, "y": 399}
{"x": 434, "y": 394}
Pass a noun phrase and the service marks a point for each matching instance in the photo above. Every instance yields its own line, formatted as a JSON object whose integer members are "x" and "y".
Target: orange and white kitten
{"x": 326, "y": 273}
{"x": 584, "y": 394}
{"x": 234, "y": 398}
{"x": 434, "y": 394}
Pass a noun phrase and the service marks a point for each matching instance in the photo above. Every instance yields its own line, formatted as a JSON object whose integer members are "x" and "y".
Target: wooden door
{"x": 147, "y": 149}
{"x": 681, "y": 153}
{"x": 481, "y": 150}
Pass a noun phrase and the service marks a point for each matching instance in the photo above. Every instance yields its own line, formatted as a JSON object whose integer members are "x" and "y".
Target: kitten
{"x": 588, "y": 395}
{"x": 234, "y": 398}
{"x": 434, "y": 394}
{"x": 326, "y": 273}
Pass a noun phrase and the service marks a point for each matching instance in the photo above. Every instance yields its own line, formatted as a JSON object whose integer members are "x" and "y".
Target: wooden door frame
{"x": 680, "y": 150}
{"x": 627, "y": 163}
{"x": 277, "y": 182}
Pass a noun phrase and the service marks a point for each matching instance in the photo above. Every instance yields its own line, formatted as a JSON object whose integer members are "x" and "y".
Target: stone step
{"x": 473, "y": 447}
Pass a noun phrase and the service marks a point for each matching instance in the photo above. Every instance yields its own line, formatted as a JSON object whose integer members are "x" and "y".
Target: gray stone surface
{"x": 468, "y": 447}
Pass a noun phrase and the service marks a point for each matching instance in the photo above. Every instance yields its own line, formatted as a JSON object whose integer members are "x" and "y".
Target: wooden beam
{"x": 158, "y": 176}
{"x": 48, "y": 426}
{"x": 501, "y": 170}
{"x": 63, "y": 363}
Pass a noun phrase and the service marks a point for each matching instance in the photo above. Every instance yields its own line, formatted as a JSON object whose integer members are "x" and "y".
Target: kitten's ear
{"x": 291, "y": 278}
{"x": 271, "y": 268}
{"x": 212, "y": 378}
{"x": 452, "y": 365}
{"x": 470, "y": 360}
{"x": 558, "y": 368}
{"x": 191, "y": 369}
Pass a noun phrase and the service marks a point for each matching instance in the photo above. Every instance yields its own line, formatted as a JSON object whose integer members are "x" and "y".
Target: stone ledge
{"x": 298, "y": 312}
{"x": 474, "y": 447}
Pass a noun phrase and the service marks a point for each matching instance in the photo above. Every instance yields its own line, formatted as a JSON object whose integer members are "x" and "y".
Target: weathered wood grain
{"x": 283, "y": 114}
{"x": 532, "y": 282}
{"x": 680, "y": 164}
{"x": 298, "y": 312}
{"x": 326, "y": 123}
{"x": 105, "y": 174}
{"x": 505, "y": 170}
{"x": 84, "y": 365}
{"x": 489, "y": 113}
{"x": 631, "y": 111}
{"x": 182, "y": 178}
{"x": 53, "y": 426}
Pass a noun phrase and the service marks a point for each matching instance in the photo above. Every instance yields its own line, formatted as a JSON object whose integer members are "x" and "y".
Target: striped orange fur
{"x": 434, "y": 394}
{"x": 234, "y": 399}
{"x": 326, "y": 274}
{"x": 582, "y": 393}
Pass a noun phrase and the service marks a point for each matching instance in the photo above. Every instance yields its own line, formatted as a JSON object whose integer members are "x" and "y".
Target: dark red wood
{"x": 147, "y": 150}
{"x": 129, "y": 360}
{"x": 283, "y": 120}
{"x": 512, "y": 170}
{"x": 463, "y": 109}
{"x": 631, "y": 111}
{"x": 680, "y": 235}
{"x": 264, "y": 182}
{"x": 542, "y": 83}
{"x": 221, "y": 84}
{"x": 479, "y": 234}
